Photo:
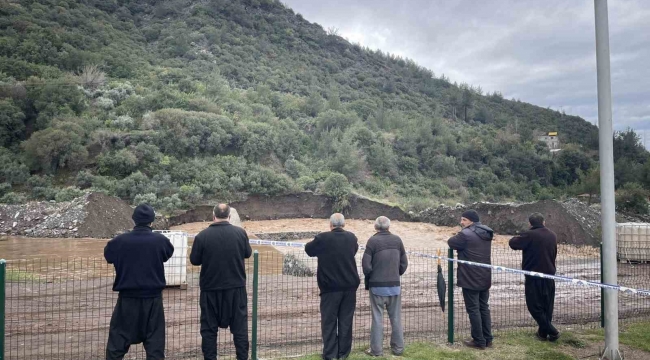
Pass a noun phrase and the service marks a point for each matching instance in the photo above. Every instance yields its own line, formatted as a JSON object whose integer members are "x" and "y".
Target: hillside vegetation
{"x": 178, "y": 102}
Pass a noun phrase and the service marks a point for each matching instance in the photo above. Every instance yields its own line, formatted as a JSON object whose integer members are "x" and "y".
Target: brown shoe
{"x": 489, "y": 344}
{"x": 473, "y": 344}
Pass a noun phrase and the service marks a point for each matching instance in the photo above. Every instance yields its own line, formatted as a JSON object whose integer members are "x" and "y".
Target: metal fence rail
{"x": 60, "y": 308}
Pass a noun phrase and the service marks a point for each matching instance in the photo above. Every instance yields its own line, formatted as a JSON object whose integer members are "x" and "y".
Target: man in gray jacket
{"x": 474, "y": 243}
{"x": 384, "y": 261}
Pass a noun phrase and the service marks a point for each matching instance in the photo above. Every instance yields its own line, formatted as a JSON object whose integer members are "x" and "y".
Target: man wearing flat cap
{"x": 138, "y": 257}
{"x": 474, "y": 243}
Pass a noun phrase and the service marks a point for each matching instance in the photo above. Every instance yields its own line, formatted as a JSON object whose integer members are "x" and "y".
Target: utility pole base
{"x": 611, "y": 355}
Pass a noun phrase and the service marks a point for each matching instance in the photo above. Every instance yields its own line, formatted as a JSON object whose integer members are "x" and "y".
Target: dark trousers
{"x": 337, "y": 313}
{"x": 134, "y": 321}
{"x": 223, "y": 309}
{"x": 540, "y": 299}
{"x": 476, "y": 304}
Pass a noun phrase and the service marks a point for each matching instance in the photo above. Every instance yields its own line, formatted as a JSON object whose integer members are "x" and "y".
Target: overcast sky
{"x": 542, "y": 52}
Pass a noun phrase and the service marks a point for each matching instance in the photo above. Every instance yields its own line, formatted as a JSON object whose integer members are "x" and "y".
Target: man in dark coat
{"x": 338, "y": 280}
{"x": 220, "y": 250}
{"x": 539, "y": 245}
{"x": 384, "y": 261}
{"x": 474, "y": 243}
{"x": 138, "y": 257}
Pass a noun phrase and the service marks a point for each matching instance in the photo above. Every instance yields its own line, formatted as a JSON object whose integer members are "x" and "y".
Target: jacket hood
{"x": 482, "y": 231}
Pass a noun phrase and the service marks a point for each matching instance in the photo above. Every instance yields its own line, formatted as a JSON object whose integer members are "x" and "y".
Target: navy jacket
{"x": 138, "y": 257}
{"x": 220, "y": 250}
{"x": 539, "y": 245}
{"x": 337, "y": 268}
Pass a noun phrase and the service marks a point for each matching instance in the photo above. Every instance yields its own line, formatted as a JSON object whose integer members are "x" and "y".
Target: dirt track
{"x": 60, "y": 309}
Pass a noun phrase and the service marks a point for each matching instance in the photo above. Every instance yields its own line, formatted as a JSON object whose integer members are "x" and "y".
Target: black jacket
{"x": 220, "y": 250}
{"x": 337, "y": 268}
{"x": 138, "y": 258}
{"x": 474, "y": 243}
{"x": 384, "y": 260}
{"x": 539, "y": 245}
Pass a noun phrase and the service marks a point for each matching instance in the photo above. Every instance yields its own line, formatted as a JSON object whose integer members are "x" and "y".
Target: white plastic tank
{"x": 633, "y": 242}
{"x": 176, "y": 266}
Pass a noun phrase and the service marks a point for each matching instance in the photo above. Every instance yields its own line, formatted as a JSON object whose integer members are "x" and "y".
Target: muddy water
{"x": 57, "y": 256}
{"x": 15, "y": 248}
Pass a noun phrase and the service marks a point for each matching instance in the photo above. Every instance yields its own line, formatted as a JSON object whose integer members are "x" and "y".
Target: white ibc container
{"x": 176, "y": 266}
{"x": 633, "y": 242}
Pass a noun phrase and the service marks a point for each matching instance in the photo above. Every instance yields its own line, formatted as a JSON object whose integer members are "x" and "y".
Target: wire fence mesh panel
{"x": 633, "y": 254}
{"x": 60, "y": 308}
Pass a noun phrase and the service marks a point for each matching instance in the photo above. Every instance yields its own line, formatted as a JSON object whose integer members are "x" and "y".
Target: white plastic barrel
{"x": 633, "y": 242}
{"x": 176, "y": 266}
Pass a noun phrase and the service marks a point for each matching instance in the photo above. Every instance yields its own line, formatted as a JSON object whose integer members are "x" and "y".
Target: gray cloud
{"x": 542, "y": 52}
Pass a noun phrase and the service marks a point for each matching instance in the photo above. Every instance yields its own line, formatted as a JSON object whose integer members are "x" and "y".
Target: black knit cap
{"x": 471, "y": 215}
{"x": 143, "y": 215}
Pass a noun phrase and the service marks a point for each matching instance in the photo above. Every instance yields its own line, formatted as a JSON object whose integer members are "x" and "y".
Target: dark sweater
{"x": 474, "y": 243}
{"x": 539, "y": 245}
{"x": 384, "y": 260}
{"x": 220, "y": 250}
{"x": 138, "y": 258}
{"x": 337, "y": 269}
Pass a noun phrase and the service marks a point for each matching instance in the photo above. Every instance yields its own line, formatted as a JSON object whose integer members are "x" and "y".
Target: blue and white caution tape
{"x": 493, "y": 267}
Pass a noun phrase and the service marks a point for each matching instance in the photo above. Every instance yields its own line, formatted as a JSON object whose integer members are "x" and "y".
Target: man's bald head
{"x": 221, "y": 211}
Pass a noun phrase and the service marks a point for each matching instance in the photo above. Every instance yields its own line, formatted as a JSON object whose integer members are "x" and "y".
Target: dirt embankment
{"x": 573, "y": 221}
{"x": 294, "y": 206}
{"x": 93, "y": 215}
{"x": 99, "y": 216}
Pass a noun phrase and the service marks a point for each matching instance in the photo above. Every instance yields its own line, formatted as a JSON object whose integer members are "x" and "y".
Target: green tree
{"x": 568, "y": 163}
{"x": 12, "y": 126}
{"x": 632, "y": 197}
{"x": 337, "y": 188}
{"x": 589, "y": 183}
{"x": 467, "y": 101}
{"x": 53, "y": 149}
{"x": 120, "y": 164}
{"x": 313, "y": 105}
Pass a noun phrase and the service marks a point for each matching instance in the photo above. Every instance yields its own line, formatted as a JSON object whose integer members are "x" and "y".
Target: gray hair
{"x": 337, "y": 220}
{"x": 382, "y": 223}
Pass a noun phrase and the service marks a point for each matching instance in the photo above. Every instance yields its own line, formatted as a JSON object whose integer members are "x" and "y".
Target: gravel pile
{"x": 93, "y": 215}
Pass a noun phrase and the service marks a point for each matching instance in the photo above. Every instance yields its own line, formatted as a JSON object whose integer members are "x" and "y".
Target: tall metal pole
{"x": 256, "y": 270}
{"x": 606, "y": 155}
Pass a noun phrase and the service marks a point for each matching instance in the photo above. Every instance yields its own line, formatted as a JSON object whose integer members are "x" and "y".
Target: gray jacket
{"x": 384, "y": 260}
{"x": 474, "y": 243}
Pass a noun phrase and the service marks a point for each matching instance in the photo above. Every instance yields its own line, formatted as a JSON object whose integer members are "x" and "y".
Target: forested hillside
{"x": 178, "y": 102}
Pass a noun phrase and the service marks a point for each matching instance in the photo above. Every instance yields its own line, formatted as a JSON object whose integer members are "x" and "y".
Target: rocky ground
{"x": 93, "y": 215}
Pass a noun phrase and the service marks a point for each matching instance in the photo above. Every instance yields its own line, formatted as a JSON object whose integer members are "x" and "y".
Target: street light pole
{"x": 606, "y": 157}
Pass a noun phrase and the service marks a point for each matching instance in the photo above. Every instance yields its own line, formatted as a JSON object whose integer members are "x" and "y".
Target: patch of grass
{"x": 524, "y": 345}
{"x": 570, "y": 339}
{"x": 636, "y": 335}
{"x": 20, "y": 275}
{"x": 519, "y": 345}
{"x": 416, "y": 351}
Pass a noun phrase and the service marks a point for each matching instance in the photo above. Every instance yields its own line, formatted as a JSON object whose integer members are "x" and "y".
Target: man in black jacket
{"x": 384, "y": 261}
{"x": 474, "y": 243}
{"x": 220, "y": 250}
{"x": 338, "y": 280}
{"x": 539, "y": 245}
{"x": 138, "y": 257}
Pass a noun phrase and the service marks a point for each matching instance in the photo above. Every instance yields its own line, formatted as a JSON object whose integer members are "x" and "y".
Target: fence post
{"x": 602, "y": 291}
{"x": 3, "y": 272}
{"x": 255, "y": 286}
{"x": 450, "y": 290}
